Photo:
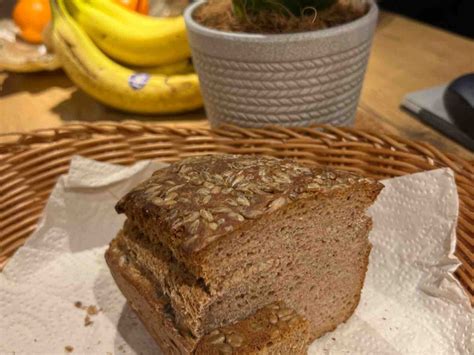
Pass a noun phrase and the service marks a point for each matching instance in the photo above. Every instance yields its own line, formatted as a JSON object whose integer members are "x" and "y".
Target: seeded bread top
{"x": 198, "y": 200}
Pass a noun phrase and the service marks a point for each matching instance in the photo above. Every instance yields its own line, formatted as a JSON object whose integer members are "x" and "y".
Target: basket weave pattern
{"x": 32, "y": 162}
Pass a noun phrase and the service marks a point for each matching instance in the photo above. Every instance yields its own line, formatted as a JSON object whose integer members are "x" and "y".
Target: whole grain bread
{"x": 195, "y": 203}
{"x": 274, "y": 329}
{"x": 225, "y": 235}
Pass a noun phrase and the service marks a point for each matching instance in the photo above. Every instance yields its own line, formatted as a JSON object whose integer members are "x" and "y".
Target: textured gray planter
{"x": 293, "y": 79}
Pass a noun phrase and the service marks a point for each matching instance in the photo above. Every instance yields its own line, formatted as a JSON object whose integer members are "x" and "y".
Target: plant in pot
{"x": 286, "y": 62}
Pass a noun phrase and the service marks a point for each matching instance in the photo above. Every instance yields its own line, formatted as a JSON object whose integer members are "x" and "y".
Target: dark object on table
{"x": 428, "y": 106}
{"x": 459, "y": 102}
{"x": 452, "y": 15}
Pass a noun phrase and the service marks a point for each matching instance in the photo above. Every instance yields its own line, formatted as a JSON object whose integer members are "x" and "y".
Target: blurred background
{"x": 453, "y": 15}
{"x": 418, "y": 45}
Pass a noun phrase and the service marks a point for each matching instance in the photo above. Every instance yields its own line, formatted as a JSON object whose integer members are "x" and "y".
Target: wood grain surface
{"x": 406, "y": 56}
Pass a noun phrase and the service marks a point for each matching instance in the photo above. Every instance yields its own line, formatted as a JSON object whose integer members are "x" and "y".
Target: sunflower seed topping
{"x": 215, "y": 190}
{"x": 242, "y": 200}
{"x": 191, "y": 217}
{"x": 318, "y": 181}
{"x": 203, "y": 197}
{"x": 235, "y": 340}
{"x": 208, "y": 185}
{"x": 206, "y": 215}
{"x": 203, "y": 191}
{"x": 251, "y": 214}
{"x": 276, "y": 204}
{"x": 216, "y": 338}
{"x": 193, "y": 227}
{"x": 236, "y": 180}
{"x": 273, "y": 306}
{"x": 221, "y": 210}
{"x": 176, "y": 187}
{"x": 236, "y": 216}
{"x": 231, "y": 202}
{"x": 171, "y": 196}
{"x": 225, "y": 349}
{"x": 284, "y": 312}
{"x": 158, "y": 201}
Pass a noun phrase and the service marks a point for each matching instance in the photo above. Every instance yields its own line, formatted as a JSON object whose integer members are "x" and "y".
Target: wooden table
{"x": 406, "y": 56}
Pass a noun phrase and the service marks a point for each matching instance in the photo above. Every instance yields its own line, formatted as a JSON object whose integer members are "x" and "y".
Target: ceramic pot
{"x": 295, "y": 79}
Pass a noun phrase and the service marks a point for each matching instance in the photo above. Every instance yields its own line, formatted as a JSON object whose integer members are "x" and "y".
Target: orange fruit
{"x": 140, "y": 6}
{"x": 143, "y": 7}
{"x": 32, "y": 16}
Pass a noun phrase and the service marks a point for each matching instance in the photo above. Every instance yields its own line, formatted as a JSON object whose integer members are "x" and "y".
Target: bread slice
{"x": 275, "y": 329}
{"x": 245, "y": 231}
{"x": 196, "y": 309}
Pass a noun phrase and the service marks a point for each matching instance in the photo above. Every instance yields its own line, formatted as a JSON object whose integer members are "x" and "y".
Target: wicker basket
{"x": 31, "y": 163}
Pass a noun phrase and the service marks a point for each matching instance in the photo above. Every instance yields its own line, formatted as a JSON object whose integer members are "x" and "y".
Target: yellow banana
{"x": 181, "y": 67}
{"x": 127, "y": 17}
{"x": 166, "y": 43}
{"x": 142, "y": 23}
{"x": 113, "y": 84}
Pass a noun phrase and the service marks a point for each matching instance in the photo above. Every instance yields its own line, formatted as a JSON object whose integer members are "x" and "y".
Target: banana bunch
{"x": 89, "y": 35}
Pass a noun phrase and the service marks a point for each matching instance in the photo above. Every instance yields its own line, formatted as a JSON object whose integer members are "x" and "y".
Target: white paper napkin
{"x": 57, "y": 295}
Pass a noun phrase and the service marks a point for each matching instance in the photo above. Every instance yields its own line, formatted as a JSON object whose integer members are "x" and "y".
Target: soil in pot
{"x": 218, "y": 14}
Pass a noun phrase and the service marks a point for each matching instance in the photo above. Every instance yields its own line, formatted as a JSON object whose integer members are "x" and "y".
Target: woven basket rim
{"x": 46, "y": 135}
